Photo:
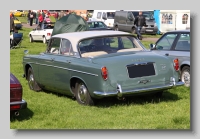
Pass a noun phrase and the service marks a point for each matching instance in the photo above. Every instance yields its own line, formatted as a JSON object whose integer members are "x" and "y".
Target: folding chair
{"x": 16, "y": 41}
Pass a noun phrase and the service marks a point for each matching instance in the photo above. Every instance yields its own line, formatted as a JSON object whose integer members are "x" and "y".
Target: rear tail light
{"x": 48, "y": 34}
{"x": 176, "y": 64}
{"x": 15, "y": 107}
{"x": 15, "y": 92}
{"x": 104, "y": 73}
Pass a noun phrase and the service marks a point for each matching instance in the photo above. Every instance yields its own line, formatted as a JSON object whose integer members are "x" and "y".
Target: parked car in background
{"x": 177, "y": 45}
{"x": 98, "y": 25}
{"x": 42, "y": 34}
{"x": 16, "y": 92}
{"x": 91, "y": 65}
{"x": 19, "y": 13}
{"x": 17, "y": 23}
{"x": 124, "y": 21}
{"x": 107, "y": 16}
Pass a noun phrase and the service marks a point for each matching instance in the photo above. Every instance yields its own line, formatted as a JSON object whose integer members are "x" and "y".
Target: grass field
{"x": 48, "y": 110}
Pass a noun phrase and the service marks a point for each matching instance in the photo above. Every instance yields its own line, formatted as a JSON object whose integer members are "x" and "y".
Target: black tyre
{"x": 31, "y": 81}
{"x": 82, "y": 94}
{"x": 185, "y": 76}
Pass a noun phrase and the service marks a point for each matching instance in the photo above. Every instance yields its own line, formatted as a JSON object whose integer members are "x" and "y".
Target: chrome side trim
{"x": 67, "y": 69}
{"x": 119, "y": 92}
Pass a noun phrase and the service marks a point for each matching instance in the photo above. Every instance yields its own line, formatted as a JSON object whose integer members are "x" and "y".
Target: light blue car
{"x": 176, "y": 44}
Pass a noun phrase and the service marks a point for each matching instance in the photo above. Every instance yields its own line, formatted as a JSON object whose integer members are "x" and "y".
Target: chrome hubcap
{"x": 31, "y": 81}
{"x": 186, "y": 78}
{"x": 82, "y": 93}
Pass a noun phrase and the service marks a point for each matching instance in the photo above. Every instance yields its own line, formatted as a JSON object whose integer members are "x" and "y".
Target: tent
{"x": 70, "y": 23}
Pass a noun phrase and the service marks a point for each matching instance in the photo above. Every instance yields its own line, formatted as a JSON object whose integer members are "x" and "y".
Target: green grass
{"x": 48, "y": 110}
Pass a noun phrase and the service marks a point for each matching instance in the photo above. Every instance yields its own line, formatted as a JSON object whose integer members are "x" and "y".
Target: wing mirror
{"x": 152, "y": 46}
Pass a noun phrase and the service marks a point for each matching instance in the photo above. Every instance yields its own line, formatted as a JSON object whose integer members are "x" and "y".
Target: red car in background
{"x": 16, "y": 91}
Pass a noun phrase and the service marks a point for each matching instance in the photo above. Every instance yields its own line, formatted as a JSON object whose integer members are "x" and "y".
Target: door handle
{"x": 167, "y": 54}
{"x": 52, "y": 59}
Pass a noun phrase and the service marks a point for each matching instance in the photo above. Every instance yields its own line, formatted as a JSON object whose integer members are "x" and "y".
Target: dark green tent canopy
{"x": 70, "y": 23}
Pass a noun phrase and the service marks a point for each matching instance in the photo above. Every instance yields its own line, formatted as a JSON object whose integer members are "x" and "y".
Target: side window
{"x": 99, "y": 15}
{"x": 54, "y": 46}
{"x": 104, "y": 14}
{"x": 66, "y": 47}
{"x": 130, "y": 16}
{"x": 91, "y": 25}
{"x": 101, "y": 25}
{"x": 183, "y": 43}
{"x": 128, "y": 43}
{"x": 113, "y": 42}
{"x": 166, "y": 42}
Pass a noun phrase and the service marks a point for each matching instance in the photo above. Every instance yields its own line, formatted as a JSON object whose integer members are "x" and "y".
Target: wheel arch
{"x": 73, "y": 81}
{"x": 27, "y": 66}
{"x": 183, "y": 65}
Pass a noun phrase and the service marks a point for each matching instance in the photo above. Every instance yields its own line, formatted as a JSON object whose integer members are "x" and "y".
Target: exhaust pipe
{"x": 16, "y": 113}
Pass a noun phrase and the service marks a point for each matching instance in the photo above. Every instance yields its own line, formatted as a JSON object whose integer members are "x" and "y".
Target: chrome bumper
{"x": 119, "y": 92}
{"x": 23, "y": 104}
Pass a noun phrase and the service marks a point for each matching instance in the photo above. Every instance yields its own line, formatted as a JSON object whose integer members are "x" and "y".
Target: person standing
{"x": 36, "y": 17}
{"x": 31, "y": 16}
{"x": 28, "y": 17}
{"x": 61, "y": 14}
{"x": 56, "y": 15}
{"x": 140, "y": 22}
{"x": 40, "y": 19}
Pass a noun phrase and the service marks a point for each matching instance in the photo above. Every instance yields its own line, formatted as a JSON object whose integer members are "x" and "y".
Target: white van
{"x": 107, "y": 16}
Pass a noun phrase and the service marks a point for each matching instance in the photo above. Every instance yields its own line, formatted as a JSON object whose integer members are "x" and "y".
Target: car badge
{"x": 163, "y": 66}
{"x": 144, "y": 81}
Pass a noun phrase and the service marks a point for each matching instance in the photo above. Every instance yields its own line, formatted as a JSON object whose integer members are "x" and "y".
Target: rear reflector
{"x": 15, "y": 107}
{"x": 176, "y": 64}
{"x": 104, "y": 73}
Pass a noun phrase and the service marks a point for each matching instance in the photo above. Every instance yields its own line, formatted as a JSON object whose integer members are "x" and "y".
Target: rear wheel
{"x": 82, "y": 94}
{"x": 185, "y": 75}
{"x": 31, "y": 81}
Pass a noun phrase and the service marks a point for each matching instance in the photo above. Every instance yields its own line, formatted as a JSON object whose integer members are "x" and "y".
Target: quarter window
{"x": 166, "y": 42}
{"x": 183, "y": 43}
{"x": 66, "y": 48}
{"x": 54, "y": 46}
{"x": 99, "y": 15}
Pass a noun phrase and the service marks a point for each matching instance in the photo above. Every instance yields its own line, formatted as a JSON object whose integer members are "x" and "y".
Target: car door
{"x": 181, "y": 49}
{"x": 36, "y": 33}
{"x": 165, "y": 44}
{"x": 129, "y": 22}
{"x": 55, "y": 72}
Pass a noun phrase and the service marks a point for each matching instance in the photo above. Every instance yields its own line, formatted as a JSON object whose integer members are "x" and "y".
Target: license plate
{"x": 148, "y": 30}
{"x": 135, "y": 71}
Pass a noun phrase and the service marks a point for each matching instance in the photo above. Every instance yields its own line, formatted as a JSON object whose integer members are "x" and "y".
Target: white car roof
{"x": 75, "y": 37}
